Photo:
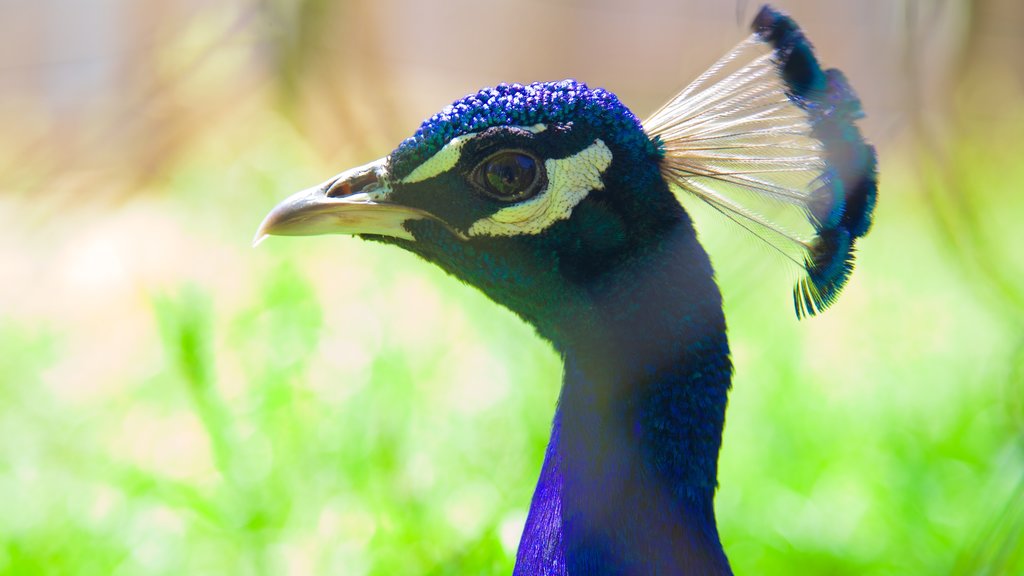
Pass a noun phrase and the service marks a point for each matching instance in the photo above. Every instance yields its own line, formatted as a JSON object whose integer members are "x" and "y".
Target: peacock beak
{"x": 353, "y": 202}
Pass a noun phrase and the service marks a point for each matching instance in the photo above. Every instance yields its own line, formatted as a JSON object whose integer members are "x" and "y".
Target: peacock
{"x": 558, "y": 203}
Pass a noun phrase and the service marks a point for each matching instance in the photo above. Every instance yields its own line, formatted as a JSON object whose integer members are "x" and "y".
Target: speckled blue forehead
{"x": 519, "y": 105}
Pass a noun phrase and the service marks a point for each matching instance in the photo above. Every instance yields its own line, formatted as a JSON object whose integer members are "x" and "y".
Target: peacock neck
{"x": 628, "y": 480}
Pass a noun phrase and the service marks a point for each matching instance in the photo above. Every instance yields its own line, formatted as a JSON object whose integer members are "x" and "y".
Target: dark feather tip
{"x": 794, "y": 53}
{"x": 841, "y": 208}
{"x": 829, "y": 264}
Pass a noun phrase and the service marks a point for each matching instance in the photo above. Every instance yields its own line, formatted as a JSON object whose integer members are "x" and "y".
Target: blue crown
{"x": 523, "y": 105}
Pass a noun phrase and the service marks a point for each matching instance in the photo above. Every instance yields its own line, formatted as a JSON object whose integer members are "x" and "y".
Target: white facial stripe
{"x": 441, "y": 162}
{"x": 446, "y": 158}
{"x": 569, "y": 181}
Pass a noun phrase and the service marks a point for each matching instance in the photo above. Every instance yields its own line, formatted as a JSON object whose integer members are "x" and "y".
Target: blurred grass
{"x": 173, "y": 402}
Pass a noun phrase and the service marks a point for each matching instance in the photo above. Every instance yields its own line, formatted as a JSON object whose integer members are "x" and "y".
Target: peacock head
{"x": 536, "y": 193}
{"x": 528, "y": 192}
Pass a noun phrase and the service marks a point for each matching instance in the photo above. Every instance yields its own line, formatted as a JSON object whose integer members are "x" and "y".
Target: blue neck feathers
{"x": 628, "y": 481}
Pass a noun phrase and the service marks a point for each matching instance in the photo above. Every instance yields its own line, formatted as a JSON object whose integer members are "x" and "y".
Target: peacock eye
{"x": 510, "y": 175}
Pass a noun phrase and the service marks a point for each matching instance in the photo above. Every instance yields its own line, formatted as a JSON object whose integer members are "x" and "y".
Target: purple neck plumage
{"x": 628, "y": 481}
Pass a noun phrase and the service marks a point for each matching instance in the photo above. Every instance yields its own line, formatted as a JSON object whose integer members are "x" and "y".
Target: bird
{"x": 560, "y": 204}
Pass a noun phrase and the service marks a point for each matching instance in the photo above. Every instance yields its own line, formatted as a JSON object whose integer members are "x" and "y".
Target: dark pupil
{"x": 510, "y": 174}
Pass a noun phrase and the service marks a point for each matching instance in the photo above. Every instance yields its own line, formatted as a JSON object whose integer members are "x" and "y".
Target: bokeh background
{"x": 175, "y": 402}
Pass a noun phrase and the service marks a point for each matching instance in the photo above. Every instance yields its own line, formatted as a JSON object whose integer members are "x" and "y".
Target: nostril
{"x": 362, "y": 182}
{"x": 339, "y": 189}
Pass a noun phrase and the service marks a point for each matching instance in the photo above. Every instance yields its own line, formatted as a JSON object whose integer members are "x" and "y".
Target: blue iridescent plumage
{"x": 559, "y": 204}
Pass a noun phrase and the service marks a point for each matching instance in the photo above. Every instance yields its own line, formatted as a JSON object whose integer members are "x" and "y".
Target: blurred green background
{"x": 175, "y": 402}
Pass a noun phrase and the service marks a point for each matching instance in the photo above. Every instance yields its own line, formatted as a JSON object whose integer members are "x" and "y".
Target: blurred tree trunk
{"x": 330, "y": 73}
{"x": 987, "y": 124}
{"x": 993, "y": 54}
{"x": 980, "y": 135}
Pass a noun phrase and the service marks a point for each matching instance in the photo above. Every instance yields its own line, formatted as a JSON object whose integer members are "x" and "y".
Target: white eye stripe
{"x": 569, "y": 181}
{"x": 447, "y": 157}
{"x": 444, "y": 160}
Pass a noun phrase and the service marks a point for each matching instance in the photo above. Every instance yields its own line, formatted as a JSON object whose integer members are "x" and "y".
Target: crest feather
{"x": 766, "y": 131}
